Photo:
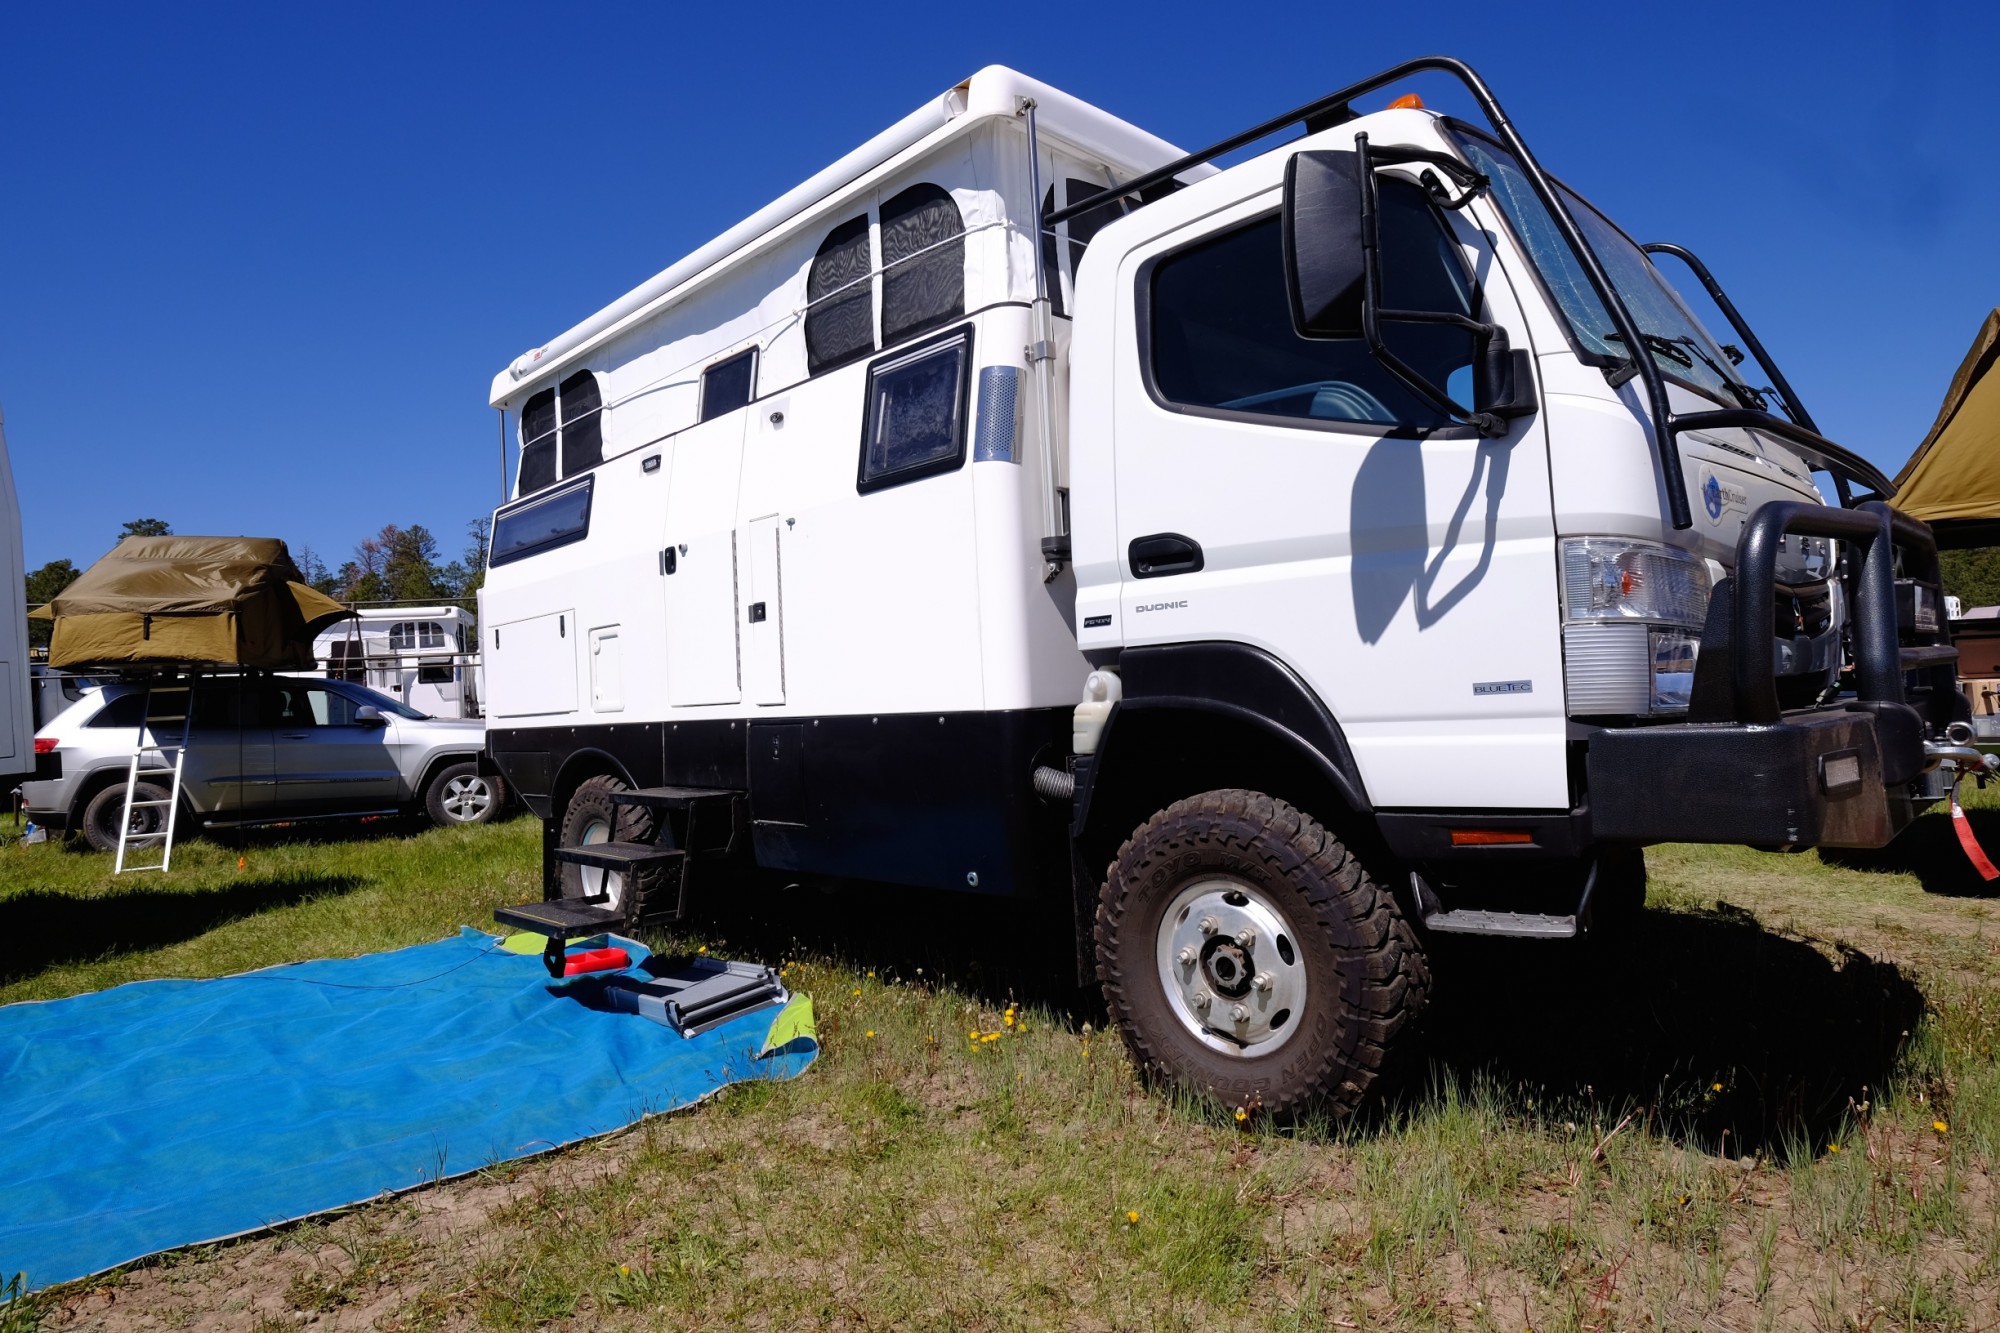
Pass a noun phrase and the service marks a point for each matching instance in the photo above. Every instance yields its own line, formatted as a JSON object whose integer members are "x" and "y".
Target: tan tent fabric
{"x": 1955, "y": 472}
{"x": 225, "y": 601}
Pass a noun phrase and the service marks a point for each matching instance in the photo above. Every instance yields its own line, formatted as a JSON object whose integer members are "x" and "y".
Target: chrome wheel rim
{"x": 595, "y": 879}
{"x": 467, "y": 798}
{"x": 1232, "y": 968}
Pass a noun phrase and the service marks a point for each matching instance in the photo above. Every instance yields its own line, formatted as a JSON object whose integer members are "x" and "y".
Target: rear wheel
{"x": 461, "y": 794}
{"x": 103, "y": 812}
{"x": 1249, "y": 958}
{"x": 591, "y": 818}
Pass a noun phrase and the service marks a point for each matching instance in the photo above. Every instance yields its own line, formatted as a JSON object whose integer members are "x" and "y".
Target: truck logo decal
{"x": 1096, "y": 622}
{"x": 1503, "y": 687}
{"x": 1160, "y": 606}
{"x": 1711, "y": 497}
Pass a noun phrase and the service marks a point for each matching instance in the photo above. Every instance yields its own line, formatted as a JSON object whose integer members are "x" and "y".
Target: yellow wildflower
{"x": 1716, "y": 1088}
{"x": 871, "y": 1032}
{"x": 1241, "y": 1115}
{"x": 1940, "y": 1126}
{"x": 624, "y": 1270}
{"x": 1132, "y": 1216}
{"x": 857, "y": 990}
{"x": 1833, "y": 1147}
{"x": 972, "y": 1035}
{"x": 991, "y": 1036}
{"x": 702, "y": 949}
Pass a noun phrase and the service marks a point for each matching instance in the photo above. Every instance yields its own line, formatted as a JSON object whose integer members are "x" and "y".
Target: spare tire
{"x": 103, "y": 812}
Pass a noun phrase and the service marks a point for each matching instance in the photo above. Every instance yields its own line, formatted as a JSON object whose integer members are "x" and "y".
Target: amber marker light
{"x": 1407, "y": 102}
{"x": 1490, "y": 837}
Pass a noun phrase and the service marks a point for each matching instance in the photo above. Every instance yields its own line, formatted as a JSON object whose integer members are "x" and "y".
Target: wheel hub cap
{"x": 1230, "y": 964}
{"x": 466, "y": 798}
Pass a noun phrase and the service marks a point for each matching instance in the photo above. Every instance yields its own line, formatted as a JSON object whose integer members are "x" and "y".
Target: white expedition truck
{"x": 1416, "y": 554}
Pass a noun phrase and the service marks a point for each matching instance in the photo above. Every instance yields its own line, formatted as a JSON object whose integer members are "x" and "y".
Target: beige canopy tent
{"x": 171, "y": 601}
{"x": 1952, "y": 481}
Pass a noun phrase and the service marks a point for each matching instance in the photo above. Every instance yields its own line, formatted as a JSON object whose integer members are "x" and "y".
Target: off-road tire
{"x": 454, "y": 798}
{"x": 642, "y": 890}
{"x": 1367, "y": 975}
{"x": 102, "y": 812}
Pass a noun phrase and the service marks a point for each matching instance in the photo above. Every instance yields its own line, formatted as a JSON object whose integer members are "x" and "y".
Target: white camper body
{"x": 426, "y": 656}
{"x": 1324, "y": 479}
{"x": 17, "y": 719}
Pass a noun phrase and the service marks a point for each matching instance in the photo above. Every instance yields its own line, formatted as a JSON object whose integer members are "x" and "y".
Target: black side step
{"x": 622, "y": 856}
{"x": 561, "y": 918}
{"x": 672, "y": 798}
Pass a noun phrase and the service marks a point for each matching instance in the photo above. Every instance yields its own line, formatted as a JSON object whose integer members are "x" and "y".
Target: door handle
{"x": 668, "y": 564}
{"x": 1163, "y": 553}
{"x": 293, "y": 736}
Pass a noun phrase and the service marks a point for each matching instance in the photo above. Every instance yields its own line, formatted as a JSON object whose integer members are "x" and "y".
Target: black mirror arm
{"x": 1487, "y": 423}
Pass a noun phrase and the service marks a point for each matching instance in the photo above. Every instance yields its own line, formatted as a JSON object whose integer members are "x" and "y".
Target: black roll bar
{"x": 1335, "y": 109}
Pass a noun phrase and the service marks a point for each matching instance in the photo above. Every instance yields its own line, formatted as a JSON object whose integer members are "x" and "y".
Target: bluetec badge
{"x": 1711, "y": 497}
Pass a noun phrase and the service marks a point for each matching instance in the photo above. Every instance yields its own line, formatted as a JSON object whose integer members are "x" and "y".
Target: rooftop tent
{"x": 221, "y": 601}
{"x": 1952, "y": 481}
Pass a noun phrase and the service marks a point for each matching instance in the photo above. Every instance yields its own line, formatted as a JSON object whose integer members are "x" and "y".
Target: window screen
{"x": 840, "y": 314}
{"x": 916, "y": 413}
{"x": 542, "y": 524}
{"x": 1222, "y": 333}
{"x": 538, "y": 442}
{"x": 728, "y": 385}
{"x": 923, "y": 262}
{"x": 582, "y": 423}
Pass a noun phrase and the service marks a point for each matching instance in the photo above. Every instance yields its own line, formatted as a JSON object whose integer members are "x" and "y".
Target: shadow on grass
{"x": 1658, "y": 1018}
{"x": 1653, "y": 1020}
{"x": 1929, "y": 849}
{"x": 40, "y": 929}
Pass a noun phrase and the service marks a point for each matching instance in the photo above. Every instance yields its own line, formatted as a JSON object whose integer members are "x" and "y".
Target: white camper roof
{"x": 995, "y": 91}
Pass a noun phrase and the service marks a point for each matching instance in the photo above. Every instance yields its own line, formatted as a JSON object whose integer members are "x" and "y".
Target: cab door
{"x": 1293, "y": 495}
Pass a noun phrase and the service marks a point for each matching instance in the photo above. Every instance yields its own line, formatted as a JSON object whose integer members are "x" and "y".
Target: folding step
{"x": 671, "y": 798}
{"x": 561, "y": 918}
{"x": 622, "y": 856}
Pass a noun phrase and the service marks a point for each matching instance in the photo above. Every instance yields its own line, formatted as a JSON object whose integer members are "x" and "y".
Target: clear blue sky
{"x": 258, "y": 263}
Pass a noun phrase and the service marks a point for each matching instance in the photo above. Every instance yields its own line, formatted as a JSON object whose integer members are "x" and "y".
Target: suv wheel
{"x": 1250, "y": 959}
{"x": 103, "y": 811}
{"x": 461, "y": 794}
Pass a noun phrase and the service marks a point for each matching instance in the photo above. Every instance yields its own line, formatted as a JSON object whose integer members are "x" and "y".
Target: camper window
{"x": 538, "y": 442}
{"x": 582, "y": 424}
{"x": 1081, "y": 229}
{"x": 923, "y": 262}
{"x": 409, "y": 635}
{"x": 916, "y": 413}
{"x": 840, "y": 302}
{"x": 542, "y": 524}
{"x": 728, "y": 385}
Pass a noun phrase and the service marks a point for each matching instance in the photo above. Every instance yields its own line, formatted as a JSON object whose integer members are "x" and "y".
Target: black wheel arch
{"x": 438, "y": 763}
{"x": 1203, "y": 716}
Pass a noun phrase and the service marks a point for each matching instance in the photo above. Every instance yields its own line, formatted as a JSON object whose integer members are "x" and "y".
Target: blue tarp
{"x": 167, "y": 1113}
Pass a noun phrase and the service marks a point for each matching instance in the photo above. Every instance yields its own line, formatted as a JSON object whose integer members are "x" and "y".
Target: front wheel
{"x": 1250, "y": 959}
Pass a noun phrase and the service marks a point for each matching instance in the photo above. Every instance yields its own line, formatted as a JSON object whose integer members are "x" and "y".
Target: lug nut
{"x": 1186, "y": 956}
{"x": 1208, "y": 925}
{"x": 1202, "y": 999}
{"x": 1245, "y": 938}
{"x": 1239, "y": 1014}
{"x": 1262, "y": 981}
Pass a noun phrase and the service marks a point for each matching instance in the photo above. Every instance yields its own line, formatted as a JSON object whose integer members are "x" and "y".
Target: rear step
{"x": 622, "y": 856}
{"x": 707, "y": 992}
{"x": 561, "y": 920}
{"x": 672, "y": 798}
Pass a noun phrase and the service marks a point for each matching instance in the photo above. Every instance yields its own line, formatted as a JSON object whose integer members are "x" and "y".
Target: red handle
{"x": 596, "y": 960}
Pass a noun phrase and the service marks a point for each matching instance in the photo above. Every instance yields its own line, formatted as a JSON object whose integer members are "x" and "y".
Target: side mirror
{"x": 1326, "y": 269}
{"x": 368, "y": 715}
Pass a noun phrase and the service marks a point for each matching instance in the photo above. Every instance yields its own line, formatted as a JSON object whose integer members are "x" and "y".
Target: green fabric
{"x": 219, "y": 601}
{"x": 794, "y": 1021}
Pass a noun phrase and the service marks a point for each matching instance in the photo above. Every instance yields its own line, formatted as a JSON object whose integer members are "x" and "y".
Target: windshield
{"x": 1675, "y": 339}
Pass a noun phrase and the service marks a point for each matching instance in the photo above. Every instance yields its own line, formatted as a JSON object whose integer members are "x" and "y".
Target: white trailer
{"x": 17, "y": 717}
{"x": 426, "y": 656}
{"x": 1400, "y": 595}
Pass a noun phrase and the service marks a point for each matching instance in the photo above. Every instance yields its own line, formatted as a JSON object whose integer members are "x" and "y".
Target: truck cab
{"x": 1417, "y": 553}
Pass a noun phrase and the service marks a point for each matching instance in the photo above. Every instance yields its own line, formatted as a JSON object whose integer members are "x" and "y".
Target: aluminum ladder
{"x": 151, "y": 759}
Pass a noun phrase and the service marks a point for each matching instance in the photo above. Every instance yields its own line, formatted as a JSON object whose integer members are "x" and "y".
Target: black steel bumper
{"x": 1741, "y": 770}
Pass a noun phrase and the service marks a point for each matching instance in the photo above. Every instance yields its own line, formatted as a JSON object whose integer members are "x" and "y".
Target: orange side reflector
{"x": 1489, "y": 837}
{"x": 1407, "y": 102}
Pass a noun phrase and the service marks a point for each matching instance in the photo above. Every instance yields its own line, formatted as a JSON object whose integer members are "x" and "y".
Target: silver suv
{"x": 260, "y": 750}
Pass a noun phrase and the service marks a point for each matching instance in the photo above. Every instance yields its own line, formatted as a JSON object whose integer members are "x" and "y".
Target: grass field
{"x": 1776, "y": 1105}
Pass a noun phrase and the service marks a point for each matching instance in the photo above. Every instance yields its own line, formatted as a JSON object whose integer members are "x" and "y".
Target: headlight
{"x": 1609, "y": 579}
{"x": 1635, "y": 611}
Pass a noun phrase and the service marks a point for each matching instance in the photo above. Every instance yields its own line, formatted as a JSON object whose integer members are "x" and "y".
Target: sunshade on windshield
{"x": 1954, "y": 476}
{"x": 222, "y": 601}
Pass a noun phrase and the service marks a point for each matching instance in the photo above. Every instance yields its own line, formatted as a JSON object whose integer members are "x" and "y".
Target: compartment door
{"x": 764, "y": 610}
{"x": 699, "y": 565}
